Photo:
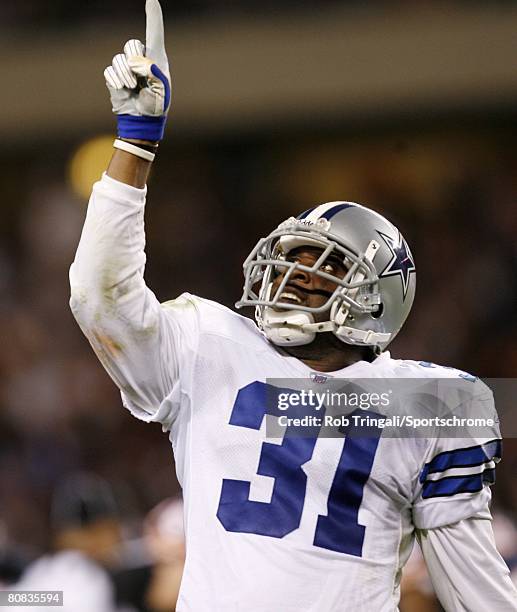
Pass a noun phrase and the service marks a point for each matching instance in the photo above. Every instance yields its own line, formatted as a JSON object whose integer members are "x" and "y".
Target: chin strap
{"x": 288, "y": 327}
{"x": 349, "y": 334}
{"x": 296, "y": 328}
{"x": 361, "y": 336}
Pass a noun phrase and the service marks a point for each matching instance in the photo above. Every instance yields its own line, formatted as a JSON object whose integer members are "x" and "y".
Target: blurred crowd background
{"x": 408, "y": 107}
{"x": 62, "y": 13}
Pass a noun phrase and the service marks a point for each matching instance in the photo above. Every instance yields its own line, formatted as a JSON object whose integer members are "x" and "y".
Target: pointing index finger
{"x": 155, "y": 37}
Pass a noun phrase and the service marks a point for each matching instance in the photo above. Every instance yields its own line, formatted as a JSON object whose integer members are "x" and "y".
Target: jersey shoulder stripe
{"x": 469, "y": 456}
{"x": 452, "y": 485}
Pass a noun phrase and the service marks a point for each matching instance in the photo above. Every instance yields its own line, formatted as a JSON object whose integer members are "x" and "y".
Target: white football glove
{"x": 139, "y": 82}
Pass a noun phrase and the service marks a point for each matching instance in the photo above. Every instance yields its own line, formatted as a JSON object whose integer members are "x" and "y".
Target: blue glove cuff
{"x": 141, "y": 127}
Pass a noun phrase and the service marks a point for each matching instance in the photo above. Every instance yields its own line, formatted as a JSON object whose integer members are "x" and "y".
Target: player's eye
{"x": 328, "y": 268}
{"x": 279, "y": 269}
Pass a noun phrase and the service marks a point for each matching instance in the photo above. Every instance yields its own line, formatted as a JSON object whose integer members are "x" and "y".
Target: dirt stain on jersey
{"x": 108, "y": 345}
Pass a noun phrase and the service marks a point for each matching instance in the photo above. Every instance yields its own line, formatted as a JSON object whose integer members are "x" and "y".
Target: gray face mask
{"x": 368, "y": 305}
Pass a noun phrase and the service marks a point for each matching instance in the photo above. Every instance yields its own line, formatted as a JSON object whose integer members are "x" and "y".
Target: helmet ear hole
{"x": 378, "y": 313}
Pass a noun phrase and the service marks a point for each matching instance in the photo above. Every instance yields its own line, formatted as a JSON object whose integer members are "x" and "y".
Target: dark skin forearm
{"x": 128, "y": 168}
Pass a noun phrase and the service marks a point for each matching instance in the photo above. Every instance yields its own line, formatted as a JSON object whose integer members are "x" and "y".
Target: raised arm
{"x": 138, "y": 344}
{"x": 139, "y": 84}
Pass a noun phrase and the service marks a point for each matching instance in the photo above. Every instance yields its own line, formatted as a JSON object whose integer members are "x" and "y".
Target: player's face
{"x": 305, "y": 288}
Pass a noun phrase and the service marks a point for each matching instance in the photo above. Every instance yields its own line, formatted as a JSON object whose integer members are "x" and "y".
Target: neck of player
{"x": 326, "y": 353}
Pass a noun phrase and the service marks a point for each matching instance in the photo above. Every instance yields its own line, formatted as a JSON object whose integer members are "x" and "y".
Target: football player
{"x": 296, "y": 524}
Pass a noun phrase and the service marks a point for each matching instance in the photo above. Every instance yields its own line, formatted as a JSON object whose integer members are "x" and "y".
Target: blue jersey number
{"x": 339, "y": 530}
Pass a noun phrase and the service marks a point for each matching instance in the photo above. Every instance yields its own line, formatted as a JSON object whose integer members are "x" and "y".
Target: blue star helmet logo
{"x": 401, "y": 263}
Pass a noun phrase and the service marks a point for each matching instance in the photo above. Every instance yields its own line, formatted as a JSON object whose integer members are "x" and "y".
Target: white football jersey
{"x": 299, "y": 524}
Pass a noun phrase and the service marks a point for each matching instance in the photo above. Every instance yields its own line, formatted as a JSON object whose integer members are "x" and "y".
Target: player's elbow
{"x": 115, "y": 312}
{"x": 81, "y": 306}
{"x": 88, "y": 302}
{"x": 80, "y": 296}
{"x": 92, "y": 293}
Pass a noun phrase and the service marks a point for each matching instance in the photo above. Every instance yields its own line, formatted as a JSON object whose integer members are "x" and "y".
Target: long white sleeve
{"x": 139, "y": 342}
{"x": 467, "y": 572}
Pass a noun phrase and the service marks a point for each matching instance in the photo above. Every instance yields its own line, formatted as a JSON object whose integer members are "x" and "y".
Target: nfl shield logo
{"x": 317, "y": 377}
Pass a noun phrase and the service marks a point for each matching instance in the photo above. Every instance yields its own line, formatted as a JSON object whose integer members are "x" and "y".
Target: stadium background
{"x": 408, "y": 107}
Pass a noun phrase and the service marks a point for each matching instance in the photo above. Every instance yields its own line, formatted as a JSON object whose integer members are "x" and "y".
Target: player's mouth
{"x": 295, "y": 295}
{"x": 292, "y": 295}
{"x": 291, "y": 298}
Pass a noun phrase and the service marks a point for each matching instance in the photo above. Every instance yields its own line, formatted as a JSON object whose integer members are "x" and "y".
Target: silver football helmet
{"x": 369, "y": 304}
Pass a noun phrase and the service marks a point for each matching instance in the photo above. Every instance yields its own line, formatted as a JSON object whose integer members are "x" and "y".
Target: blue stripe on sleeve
{"x": 445, "y": 487}
{"x": 462, "y": 457}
